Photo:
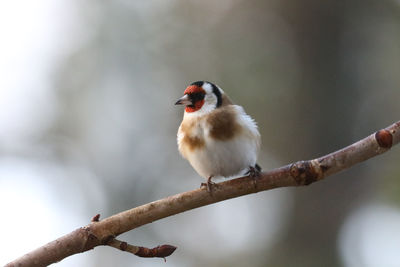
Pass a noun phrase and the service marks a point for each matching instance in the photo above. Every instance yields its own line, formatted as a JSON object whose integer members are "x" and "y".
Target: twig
{"x": 162, "y": 251}
{"x": 296, "y": 174}
{"x": 157, "y": 252}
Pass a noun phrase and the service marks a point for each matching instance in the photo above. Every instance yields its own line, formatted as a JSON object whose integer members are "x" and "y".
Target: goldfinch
{"x": 216, "y": 136}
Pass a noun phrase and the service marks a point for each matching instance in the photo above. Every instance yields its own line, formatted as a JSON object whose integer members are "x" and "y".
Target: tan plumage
{"x": 217, "y": 137}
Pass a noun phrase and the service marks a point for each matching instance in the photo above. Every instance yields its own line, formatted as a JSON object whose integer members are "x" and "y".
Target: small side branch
{"x": 162, "y": 251}
{"x": 296, "y": 174}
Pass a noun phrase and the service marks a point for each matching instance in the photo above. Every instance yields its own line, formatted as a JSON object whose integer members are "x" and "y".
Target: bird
{"x": 216, "y": 136}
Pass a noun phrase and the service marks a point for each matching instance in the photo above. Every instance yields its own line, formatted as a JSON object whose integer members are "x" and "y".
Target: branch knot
{"x": 306, "y": 172}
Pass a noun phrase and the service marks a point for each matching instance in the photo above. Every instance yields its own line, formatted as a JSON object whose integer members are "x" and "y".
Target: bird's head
{"x": 201, "y": 97}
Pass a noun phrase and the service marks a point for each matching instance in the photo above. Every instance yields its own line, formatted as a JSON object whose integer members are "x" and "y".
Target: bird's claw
{"x": 209, "y": 185}
{"x": 254, "y": 173}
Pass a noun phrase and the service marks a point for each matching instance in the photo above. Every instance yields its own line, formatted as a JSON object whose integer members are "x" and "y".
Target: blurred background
{"x": 88, "y": 125}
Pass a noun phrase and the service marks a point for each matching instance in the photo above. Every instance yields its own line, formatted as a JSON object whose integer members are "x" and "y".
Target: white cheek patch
{"x": 210, "y": 100}
{"x": 207, "y": 87}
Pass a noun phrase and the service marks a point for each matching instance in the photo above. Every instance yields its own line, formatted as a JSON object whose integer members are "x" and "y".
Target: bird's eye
{"x": 196, "y": 96}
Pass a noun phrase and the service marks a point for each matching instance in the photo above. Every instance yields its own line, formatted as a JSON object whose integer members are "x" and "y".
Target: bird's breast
{"x": 190, "y": 137}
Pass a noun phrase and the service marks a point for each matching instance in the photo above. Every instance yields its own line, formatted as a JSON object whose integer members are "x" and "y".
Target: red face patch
{"x": 194, "y": 92}
{"x": 194, "y": 89}
{"x": 195, "y": 107}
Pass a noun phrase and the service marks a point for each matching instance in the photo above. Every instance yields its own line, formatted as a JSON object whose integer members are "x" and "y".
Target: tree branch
{"x": 296, "y": 174}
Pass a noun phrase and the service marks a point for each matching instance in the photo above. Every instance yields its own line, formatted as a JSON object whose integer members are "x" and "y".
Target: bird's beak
{"x": 184, "y": 100}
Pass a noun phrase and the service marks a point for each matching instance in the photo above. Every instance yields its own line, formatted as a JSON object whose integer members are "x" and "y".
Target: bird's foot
{"x": 209, "y": 185}
{"x": 254, "y": 172}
